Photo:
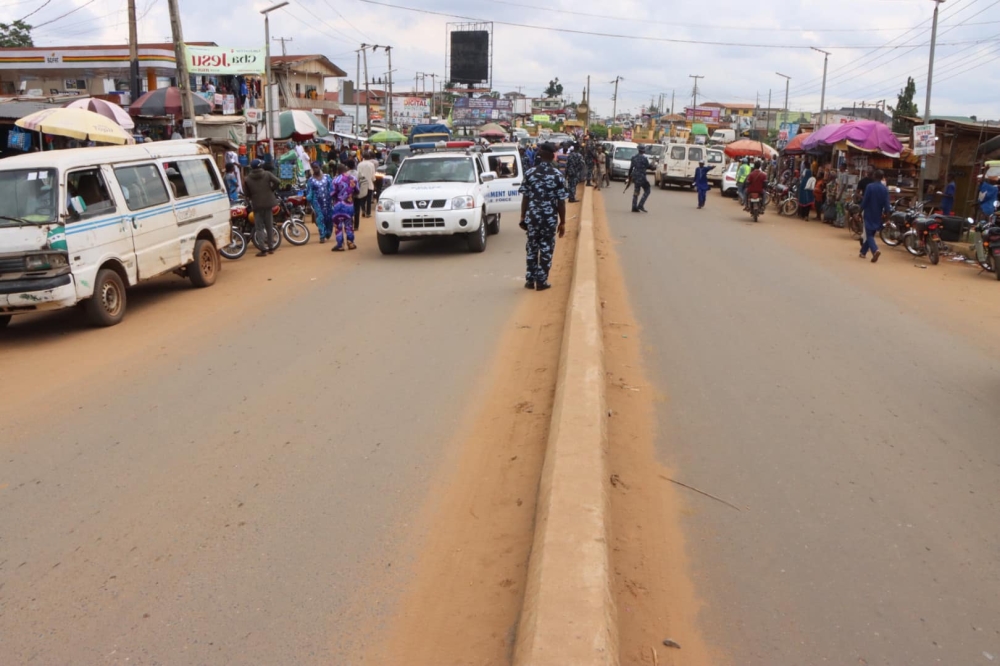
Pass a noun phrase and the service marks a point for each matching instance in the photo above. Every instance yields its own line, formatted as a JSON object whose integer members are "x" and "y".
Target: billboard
{"x": 223, "y": 60}
{"x": 703, "y": 114}
{"x": 470, "y": 56}
{"x": 923, "y": 139}
{"x": 475, "y": 112}
{"x": 343, "y": 125}
{"x": 410, "y": 110}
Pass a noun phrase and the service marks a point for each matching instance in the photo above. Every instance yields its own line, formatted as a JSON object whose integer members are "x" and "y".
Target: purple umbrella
{"x": 867, "y": 135}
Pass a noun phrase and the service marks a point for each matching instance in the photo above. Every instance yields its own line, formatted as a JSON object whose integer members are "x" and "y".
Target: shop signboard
{"x": 475, "y": 112}
{"x": 703, "y": 113}
{"x": 343, "y": 125}
{"x": 254, "y": 116}
{"x": 923, "y": 140}
{"x": 410, "y": 110}
{"x": 223, "y": 60}
{"x": 541, "y": 118}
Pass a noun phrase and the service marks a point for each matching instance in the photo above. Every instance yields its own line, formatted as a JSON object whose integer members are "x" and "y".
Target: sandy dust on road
{"x": 464, "y": 595}
{"x": 955, "y": 296}
{"x": 652, "y": 585}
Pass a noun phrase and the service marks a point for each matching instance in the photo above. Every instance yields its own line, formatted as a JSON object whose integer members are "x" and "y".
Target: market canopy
{"x": 109, "y": 110}
{"x": 868, "y": 136}
{"x": 492, "y": 129}
{"x": 75, "y": 124}
{"x": 748, "y": 148}
{"x": 387, "y": 136}
{"x": 166, "y": 102}
{"x": 794, "y": 147}
{"x": 297, "y": 124}
{"x": 699, "y": 129}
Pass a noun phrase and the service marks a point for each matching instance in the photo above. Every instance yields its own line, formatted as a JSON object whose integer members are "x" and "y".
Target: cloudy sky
{"x": 874, "y": 44}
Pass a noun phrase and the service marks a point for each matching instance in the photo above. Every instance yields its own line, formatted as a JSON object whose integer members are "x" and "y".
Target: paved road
{"x": 862, "y": 436}
{"x": 222, "y": 479}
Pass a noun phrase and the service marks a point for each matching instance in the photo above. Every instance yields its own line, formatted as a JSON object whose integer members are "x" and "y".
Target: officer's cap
{"x": 547, "y": 147}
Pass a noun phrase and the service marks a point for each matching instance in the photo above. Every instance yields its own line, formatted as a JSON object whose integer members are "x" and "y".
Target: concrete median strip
{"x": 569, "y": 614}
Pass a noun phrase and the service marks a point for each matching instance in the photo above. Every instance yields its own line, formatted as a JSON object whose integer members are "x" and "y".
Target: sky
{"x": 874, "y": 44}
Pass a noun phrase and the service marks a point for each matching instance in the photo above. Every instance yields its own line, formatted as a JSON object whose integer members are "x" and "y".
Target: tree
{"x": 555, "y": 88}
{"x": 16, "y": 34}
{"x": 599, "y": 131}
{"x": 904, "y": 107}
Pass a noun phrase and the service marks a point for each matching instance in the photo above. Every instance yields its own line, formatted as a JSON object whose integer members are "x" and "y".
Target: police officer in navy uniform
{"x": 575, "y": 170}
{"x": 637, "y": 173}
{"x": 543, "y": 214}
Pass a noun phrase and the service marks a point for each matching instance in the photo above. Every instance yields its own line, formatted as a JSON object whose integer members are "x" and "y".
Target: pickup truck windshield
{"x": 437, "y": 170}
{"x": 27, "y": 196}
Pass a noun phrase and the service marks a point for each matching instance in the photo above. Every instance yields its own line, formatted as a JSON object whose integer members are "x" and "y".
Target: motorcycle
{"x": 785, "y": 201}
{"x": 756, "y": 205}
{"x": 285, "y": 224}
{"x": 924, "y": 238}
{"x": 988, "y": 244}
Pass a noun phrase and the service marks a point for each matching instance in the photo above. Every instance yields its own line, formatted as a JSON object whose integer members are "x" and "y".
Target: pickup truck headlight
{"x": 459, "y": 203}
{"x": 45, "y": 262}
{"x": 386, "y": 206}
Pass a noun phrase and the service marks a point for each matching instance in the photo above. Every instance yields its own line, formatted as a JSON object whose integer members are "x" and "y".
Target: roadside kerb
{"x": 569, "y": 615}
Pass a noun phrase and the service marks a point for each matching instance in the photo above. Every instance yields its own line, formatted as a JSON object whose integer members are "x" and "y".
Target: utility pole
{"x": 368, "y": 99}
{"x": 768, "y": 130}
{"x": 268, "y": 111}
{"x": 284, "y": 52}
{"x": 614, "y": 98}
{"x": 787, "y": 80}
{"x": 357, "y": 82}
{"x": 694, "y": 110}
{"x": 927, "y": 101}
{"x": 388, "y": 54}
{"x": 183, "y": 80}
{"x": 822, "y": 95}
{"x": 135, "y": 87}
{"x": 672, "y": 100}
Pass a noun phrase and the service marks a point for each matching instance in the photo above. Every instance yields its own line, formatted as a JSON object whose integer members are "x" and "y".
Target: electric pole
{"x": 614, "y": 98}
{"x": 357, "y": 82}
{"x": 672, "y": 101}
{"x": 927, "y": 101}
{"x": 135, "y": 87}
{"x": 388, "y": 54}
{"x": 284, "y": 52}
{"x": 822, "y": 95}
{"x": 768, "y": 130}
{"x": 694, "y": 110}
{"x": 183, "y": 80}
{"x": 787, "y": 80}
{"x": 368, "y": 99}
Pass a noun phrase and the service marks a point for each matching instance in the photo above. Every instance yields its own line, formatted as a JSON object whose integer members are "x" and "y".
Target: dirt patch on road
{"x": 464, "y": 597}
{"x": 652, "y": 586}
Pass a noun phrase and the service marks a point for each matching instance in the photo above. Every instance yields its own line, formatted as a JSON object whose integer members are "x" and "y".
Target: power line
{"x": 628, "y": 37}
{"x": 344, "y": 18}
{"x": 38, "y": 9}
{"x": 62, "y": 16}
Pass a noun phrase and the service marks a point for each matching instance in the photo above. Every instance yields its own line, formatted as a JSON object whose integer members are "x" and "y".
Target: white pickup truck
{"x": 449, "y": 192}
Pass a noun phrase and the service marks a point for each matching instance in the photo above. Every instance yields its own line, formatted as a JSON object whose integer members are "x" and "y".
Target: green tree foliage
{"x": 16, "y": 34}
{"x": 555, "y": 88}
{"x": 905, "y": 107}
{"x": 599, "y": 131}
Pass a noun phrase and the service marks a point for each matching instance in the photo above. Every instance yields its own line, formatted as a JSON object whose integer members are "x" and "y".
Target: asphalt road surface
{"x": 859, "y": 432}
{"x": 224, "y": 477}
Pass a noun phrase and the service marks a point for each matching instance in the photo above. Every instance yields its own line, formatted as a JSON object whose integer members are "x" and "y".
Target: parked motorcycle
{"x": 286, "y": 224}
{"x": 988, "y": 244}
{"x": 784, "y": 200}
{"x": 924, "y": 238}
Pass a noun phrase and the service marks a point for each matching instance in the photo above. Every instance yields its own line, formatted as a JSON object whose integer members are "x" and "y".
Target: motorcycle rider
{"x": 756, "y": 182}
{"x": 741, "y": 180}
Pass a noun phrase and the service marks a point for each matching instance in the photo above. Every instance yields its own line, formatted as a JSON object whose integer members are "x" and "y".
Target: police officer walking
{"x": 575, "y": 171}
{"x": 637, "y": 174}
{"x": 543, "y": 214}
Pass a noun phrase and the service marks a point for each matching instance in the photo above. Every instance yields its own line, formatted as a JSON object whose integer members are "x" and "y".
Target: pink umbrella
{"x": 106, "y": 109}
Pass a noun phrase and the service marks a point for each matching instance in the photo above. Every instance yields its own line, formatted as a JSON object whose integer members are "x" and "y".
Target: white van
{"x": 722, "y": 137}
{"x": 86, "y": 223}
{"x": 717, "y": 159}
{"x": 621, "y": 153}
{"x": 678, "y": 165}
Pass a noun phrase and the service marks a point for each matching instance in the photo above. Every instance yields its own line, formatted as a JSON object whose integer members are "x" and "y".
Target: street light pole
{"x": 787, "y": 81}
{"x": 927, "y": 101}
{"x": 694, "y": 111}
{"x": 822, "y": 95}
{"x": 268, "y": 111}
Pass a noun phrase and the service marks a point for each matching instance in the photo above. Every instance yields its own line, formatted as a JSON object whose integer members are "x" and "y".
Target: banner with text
{"x": 410, "y": 110}
{"x": 203, "y": 60}
{"x": 475, "y": 112}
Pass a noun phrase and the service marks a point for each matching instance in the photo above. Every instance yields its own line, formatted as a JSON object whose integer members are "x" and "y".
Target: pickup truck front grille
{"x": 436, "y": 203}
{"x": 423, "y": 223}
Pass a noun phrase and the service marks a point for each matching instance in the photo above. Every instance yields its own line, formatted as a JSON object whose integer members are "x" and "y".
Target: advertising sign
{"x": 786, "y": 132}
{"x": 223, "y": 60}
{"x": 923, "y": 139}
{"x": 703, "y": 113}
{"x": 254, "y": 116}
{"x": 410, "y": 110}
{"x": 475, "y": 112}
{"x": 229, "y": 105}
{"x": 343, "y": 125}
{"x": 541, "y": 118}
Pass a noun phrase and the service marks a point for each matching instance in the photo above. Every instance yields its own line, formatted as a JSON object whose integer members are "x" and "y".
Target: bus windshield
{"x": 27, "y": 196}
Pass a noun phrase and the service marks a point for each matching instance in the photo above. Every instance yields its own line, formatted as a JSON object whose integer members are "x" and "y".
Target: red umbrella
{"x": 794, "y": 147}
{"x": 748, "y": 148}
{"x": 166, "y": 102}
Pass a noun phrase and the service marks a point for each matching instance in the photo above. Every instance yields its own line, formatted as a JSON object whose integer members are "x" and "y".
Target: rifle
{"x": 628, "y": 182}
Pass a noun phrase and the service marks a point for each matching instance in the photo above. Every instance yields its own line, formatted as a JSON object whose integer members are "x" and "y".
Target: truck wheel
{"x": 204, "y": 270}
{"x": 388, "y": 243}
{"x": 477, "y": 239}
{"x": 4, "y": 320}
{"x": 493, "y": 228}
{"x": 107, "y": 306}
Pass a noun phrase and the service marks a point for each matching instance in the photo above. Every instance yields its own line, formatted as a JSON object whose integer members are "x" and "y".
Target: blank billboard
{"x": 470, "y": 56}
